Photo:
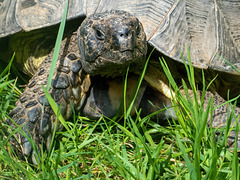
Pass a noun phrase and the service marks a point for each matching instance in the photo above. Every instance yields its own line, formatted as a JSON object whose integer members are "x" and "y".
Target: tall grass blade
{"x": 55, "y": 108}
{"x": 57, "y": 45}
{"x": 235, "y": 163}
{"x": 190, "y": 166}
{"x": 139, "y": 84}
{"x": 56, "y": 50}
{"x": 7, "y": 69}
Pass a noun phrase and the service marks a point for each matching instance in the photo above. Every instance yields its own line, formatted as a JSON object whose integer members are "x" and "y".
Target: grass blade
{"x": 57, "y": 46}
{"x": 190, "y": 166}
{"x": 235, "y": 163}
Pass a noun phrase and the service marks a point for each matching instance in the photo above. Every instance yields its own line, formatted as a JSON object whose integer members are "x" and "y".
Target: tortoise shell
{"x": 209, "y": 28}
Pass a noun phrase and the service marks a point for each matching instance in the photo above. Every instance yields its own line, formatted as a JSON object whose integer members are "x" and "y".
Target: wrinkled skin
{"x": 109, "y": 45}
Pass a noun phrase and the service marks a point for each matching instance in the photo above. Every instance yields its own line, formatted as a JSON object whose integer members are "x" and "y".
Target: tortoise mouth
{"x": 116, "y": 63}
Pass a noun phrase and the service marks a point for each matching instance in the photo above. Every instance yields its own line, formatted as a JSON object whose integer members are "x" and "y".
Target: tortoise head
{"x": 111, "y": 41}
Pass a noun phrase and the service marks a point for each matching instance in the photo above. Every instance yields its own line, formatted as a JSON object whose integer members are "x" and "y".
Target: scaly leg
{"x": 69, "y": 85}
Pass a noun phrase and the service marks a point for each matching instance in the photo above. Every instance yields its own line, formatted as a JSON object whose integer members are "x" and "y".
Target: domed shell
{"x": 211, "y": 29}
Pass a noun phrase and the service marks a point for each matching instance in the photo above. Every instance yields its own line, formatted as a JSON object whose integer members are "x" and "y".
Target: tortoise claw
{"x": 27, "y": 148}
{"x": 33, "y": 158}
{"x": 45, "y": 122}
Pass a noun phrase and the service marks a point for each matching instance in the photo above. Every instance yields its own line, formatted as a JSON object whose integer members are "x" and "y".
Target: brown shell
{"x": 209, "y": 28}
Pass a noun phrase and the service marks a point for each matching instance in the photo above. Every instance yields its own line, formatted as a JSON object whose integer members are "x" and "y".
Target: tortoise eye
{"x": 99, "y": 34}
{"x": 138, "y": 29}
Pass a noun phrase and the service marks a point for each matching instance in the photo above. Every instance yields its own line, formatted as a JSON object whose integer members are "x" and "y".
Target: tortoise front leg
{"x": 69, "y": 85}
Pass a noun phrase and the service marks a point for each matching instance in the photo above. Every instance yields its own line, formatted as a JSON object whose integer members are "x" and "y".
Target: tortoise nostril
{"x": 124, "y": 32}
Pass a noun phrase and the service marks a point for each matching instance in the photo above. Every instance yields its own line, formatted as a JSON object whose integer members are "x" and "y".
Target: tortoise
{"x": 119, "y": 31}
